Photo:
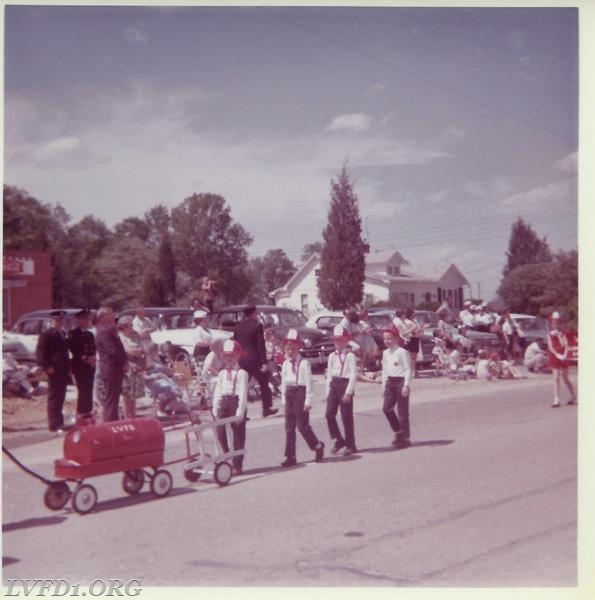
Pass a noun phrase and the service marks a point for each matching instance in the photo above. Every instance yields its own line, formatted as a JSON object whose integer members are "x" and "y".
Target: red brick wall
{"x": 26, "y": 283}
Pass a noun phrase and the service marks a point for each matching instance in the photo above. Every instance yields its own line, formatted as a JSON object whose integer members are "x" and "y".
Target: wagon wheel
{"x": 161, "y": 483}
{"x": 133, "y": 481}
{"x": 84, "y": 498}
{"x": 56, "y": 495}
{"x": 222, "y": 473}
{"x": 192, "y": 475}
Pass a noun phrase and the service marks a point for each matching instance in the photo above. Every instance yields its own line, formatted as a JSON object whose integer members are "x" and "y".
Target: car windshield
{"x": 174, "y": 321}
{"x": 531, "y": 323}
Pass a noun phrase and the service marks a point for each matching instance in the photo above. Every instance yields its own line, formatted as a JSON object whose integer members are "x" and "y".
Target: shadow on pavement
{"x": 36, "y": 522}
{"x": 431, "y": 443}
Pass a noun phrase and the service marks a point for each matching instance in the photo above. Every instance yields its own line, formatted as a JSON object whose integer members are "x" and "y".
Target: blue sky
{"x": 453, "y": 121}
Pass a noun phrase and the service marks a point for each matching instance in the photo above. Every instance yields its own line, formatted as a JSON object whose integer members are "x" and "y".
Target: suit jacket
{"x": 250, "y": 334}
{"x": 52, "y": 350}
{"x": 81, "y": 343}
{"x": 112, "y": 356}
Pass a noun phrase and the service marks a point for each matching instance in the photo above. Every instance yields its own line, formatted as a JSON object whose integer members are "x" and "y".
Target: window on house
{"x": 304, "y": 303}
{"x": 317, "y": 272}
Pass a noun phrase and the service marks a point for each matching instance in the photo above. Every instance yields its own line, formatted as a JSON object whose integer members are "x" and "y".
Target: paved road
{"x": 486, "y": 496}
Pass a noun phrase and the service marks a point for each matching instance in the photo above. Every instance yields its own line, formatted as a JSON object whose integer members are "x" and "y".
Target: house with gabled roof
{"x": 389, "y": 278}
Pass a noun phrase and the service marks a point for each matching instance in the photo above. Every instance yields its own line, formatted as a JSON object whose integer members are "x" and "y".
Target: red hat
{"x": 339, "y": 332}
{"x": 392, "y": 330}
{"x": 292, "y": 337}
{"x": 231, "y": 347}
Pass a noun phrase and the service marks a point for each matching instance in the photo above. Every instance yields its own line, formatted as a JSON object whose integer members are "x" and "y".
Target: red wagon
{"x": 134, "y": 446}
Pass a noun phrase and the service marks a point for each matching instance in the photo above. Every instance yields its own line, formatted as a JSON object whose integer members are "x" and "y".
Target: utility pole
{"x": 478, "y": 290}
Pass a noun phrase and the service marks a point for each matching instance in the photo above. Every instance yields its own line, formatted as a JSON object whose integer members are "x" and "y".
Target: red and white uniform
{"x": 557, "y": 349}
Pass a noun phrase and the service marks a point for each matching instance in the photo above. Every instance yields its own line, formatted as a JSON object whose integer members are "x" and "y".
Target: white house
{"x": 388, "y": 278}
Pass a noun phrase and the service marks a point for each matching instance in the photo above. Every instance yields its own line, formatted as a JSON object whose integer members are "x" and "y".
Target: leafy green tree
{"x": 267, "y": 273}
{"x": 206, "y": 241}
{"x": 85, "y": 242}
{"x": 158, "y": 220}
{"x": 166, "y": 267}
{"x": 133, "y": 227}
{"x": 525, "y": 247}
{"x": 342, "y": 260}
{"x": 522, "y": 289}
{"x": 309, "y": 249}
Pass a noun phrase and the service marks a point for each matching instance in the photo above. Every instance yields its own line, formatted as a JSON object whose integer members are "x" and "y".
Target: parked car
{"x": 21, "y": 340}
{"x": 530, "y": 328}
{"x": 175, "y": 325}
{"x": 317, "y": 344}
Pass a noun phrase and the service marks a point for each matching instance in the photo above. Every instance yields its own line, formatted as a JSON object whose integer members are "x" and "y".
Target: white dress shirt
{"x": 297, "y": 372}
{"x": 396, "y": 362}
{"x": 341, "y": 364}
{"x": 232, "y": 382}
{"x": 202, "y": 337}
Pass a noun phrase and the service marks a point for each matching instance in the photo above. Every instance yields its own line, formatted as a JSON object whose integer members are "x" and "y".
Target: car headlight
{"x": 308, "y": 343}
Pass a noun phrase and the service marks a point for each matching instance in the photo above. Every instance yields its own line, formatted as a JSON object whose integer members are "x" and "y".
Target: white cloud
{"x": 351, "y": 122}
{"x": 557, "y": 194}
{"x": 567, "y": 164}
{"x": 378, "y": 88}
{"x": 137, "y": 34}
{"x": 55, "y": 148}
{"x": 490, "y": 189}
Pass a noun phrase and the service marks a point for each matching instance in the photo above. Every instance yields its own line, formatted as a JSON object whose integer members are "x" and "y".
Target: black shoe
{"x": 402, "y": 443}
{"x": 338, "y": 445}
{"x": 319, "y": 452}
{"x": 396, "y": 440}
{"x": 289, "y": 462}
{"x": 270, "y": 412}
{"x": 573, "y": 401}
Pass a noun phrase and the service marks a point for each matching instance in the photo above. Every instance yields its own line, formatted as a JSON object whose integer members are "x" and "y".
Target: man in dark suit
{"x": 52, "y": 356}
{"x": 81, "y": 343}
{"x": 112, "y": 362}
{"x": 250, "y": 335}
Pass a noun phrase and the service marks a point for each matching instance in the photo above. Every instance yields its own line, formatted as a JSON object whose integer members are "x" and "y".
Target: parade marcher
{"x": 396, "y": 381}
{"x": 52, "y": 357}
{"x": 81, "y": 343}
{"x": 112, "y": 363}
{"x": 202, "y": 338}
{"x": 250, "y": 334}
{"x": 231, "y": 400}
{"x": 210, "y": 368}
{"x": 296, "y": 395}
{"x": 340, "y": 386}
{"x": 557, "y": 344}
{"x": 133, "y": 385}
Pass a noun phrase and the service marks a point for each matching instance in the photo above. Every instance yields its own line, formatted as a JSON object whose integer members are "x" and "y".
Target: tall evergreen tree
{"x": 525, "y": 247}
{"x": 343, "y": 256}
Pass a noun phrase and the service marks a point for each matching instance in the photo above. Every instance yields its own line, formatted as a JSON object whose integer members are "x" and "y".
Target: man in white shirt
{"x": 296, "y": 396}
{"x": 202, "y": 338}
{"x": 535, "y": 358}
{"x": 396, "y": 379}
{"x": 341, "y": 376}
{"x": 466, "y": 316}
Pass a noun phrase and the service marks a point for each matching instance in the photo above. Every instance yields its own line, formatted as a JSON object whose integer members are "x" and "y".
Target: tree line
{"x": 156, "y": 260}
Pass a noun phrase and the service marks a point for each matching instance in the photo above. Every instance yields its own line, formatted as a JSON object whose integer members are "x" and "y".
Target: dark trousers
{"x": 228, "y": 408}
{"x": 296, "y": 416}
{"x": 84, "y": 376}
{"x": 112, "y": 382}
{"x": 57, "y": 383}
{"x": 253, "y": 370}
{"x": 333, "y": 403}
{"x": 392, "y": 397}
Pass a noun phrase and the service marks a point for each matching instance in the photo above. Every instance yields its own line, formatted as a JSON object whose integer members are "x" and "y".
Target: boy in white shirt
{"x": 230, "y": 399}
{"x": 296, "y": 396}
{"x": 341, "y": 376}
{"x": 396, "y": 380}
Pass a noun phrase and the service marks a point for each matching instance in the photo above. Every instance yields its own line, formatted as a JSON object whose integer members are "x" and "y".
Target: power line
{"x": 429, "y": 82}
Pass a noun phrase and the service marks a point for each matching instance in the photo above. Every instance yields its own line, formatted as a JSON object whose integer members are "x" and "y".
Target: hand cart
{"x": 204, "y": 451}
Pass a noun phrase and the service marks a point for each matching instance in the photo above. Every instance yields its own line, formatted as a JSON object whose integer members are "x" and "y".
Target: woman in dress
{"x": 557, "y": 344}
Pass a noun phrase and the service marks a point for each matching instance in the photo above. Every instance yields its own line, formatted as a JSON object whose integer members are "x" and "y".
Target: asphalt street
{"x": 486, "y": 496}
